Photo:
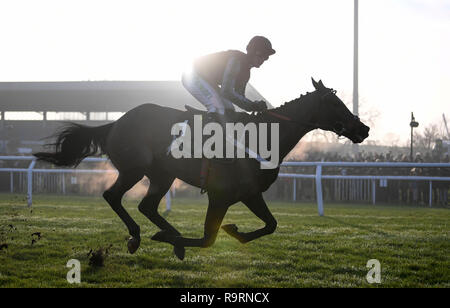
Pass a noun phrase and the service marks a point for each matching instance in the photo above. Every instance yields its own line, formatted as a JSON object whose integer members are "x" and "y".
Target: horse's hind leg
{"x": 113, "y": 196}
{"x": 214, "y": 216}
{"x": 149, "y": 207}
{"x": 258, "y": 206}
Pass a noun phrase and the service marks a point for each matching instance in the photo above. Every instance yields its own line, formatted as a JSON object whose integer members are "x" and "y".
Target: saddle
{"x": 193, "y": 110}
{"x": 232, "y": 116}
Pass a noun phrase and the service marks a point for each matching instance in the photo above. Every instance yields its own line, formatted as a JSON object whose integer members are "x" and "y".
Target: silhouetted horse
{"x": 137, "y": 145}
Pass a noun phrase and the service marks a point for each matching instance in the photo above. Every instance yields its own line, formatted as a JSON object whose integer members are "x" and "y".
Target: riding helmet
{"x": 260, "y": 44}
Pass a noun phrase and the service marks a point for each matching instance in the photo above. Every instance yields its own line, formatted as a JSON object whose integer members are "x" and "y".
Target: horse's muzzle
{"x": 360, "y": 133}
{"x": 357, "y": 131}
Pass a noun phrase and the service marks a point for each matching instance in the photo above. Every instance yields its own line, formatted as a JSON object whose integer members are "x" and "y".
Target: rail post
{"x": 431, "y": 194}
{"x": 11, "y": 182}
{"x": 30, "y": 182}
{"x": 373, "y": 191}
{"x": 319, "y": 189}
{"x": 294, "y": 192}
{"x": 168, "y": 201}
{"x": 63, "y": 183}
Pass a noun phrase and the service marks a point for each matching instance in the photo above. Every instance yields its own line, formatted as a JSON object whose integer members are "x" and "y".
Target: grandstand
{"x": 30, "y": 111}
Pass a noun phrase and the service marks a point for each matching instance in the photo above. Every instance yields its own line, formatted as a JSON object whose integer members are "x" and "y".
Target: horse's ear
{"x": 315, "y": 84}
{"x": 321, "y": 84}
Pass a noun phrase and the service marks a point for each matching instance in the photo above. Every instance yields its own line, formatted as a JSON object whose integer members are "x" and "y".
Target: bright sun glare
{"x": 403, "y": 56}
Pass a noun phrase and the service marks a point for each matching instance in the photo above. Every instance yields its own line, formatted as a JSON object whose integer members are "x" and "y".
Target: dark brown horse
{"x": 137, "y": 146}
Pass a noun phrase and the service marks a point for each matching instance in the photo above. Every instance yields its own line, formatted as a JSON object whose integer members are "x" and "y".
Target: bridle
{"x": 338, "y": 128}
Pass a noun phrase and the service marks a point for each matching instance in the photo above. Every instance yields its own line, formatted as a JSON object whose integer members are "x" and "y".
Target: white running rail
{"x": 30, "y": 170}
{"x": 318, "y": 176}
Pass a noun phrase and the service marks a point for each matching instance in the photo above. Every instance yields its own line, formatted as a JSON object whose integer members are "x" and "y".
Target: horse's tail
{"x": 74, "y": 143}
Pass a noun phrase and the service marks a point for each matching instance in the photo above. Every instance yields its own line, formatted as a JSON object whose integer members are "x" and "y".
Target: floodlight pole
{"x": 413, "y": 124}
{"x": 355, "y": 68}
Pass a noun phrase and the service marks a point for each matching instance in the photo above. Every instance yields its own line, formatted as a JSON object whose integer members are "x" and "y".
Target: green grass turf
{"x": 411, "y": 243}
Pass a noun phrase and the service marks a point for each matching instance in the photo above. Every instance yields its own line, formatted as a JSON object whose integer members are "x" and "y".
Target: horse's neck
{"x": 300, "y": 111}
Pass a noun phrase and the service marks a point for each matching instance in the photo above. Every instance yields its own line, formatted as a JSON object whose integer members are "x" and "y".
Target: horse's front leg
{"x": 258, "y": 206}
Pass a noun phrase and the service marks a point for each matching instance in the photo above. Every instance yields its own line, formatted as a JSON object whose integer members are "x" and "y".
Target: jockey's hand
{"x": 260, "y": 106}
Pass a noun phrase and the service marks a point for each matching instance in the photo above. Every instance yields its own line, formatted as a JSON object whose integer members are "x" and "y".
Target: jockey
{"x": 218, "y": 80}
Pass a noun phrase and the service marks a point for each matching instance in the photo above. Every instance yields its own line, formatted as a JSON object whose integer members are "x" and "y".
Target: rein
{"x": 339, "y": 132}
{"x": 288, "y": 119}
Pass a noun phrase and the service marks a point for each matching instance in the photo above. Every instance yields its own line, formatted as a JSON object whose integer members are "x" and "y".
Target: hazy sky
{"x": 404, "y": 47}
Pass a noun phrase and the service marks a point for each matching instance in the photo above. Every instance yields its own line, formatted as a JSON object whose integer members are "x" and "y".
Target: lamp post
{"x": 413, "y": 124}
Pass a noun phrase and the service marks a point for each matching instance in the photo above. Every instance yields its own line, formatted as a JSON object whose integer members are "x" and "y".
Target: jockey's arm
{"x": 228, "y": 86}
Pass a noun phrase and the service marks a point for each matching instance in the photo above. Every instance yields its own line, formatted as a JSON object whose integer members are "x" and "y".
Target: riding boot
{"x": 221, "y": 119}
{"x": 211, "y": 117}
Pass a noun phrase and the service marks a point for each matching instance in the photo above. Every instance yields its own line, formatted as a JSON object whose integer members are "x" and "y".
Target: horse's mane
{"x": 287, "y": 108}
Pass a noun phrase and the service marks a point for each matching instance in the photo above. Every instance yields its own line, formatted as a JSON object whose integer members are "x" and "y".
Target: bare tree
{"x": 427, "y": 139}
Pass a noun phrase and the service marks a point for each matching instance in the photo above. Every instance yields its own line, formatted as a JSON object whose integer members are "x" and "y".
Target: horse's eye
{"x": 338, "y": 127}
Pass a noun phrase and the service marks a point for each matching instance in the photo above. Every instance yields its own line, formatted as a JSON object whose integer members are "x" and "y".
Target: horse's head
{"x": 334, "y": 116}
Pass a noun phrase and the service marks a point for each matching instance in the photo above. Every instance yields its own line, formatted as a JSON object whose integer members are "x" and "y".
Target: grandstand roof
{"x": 84, "y": 96}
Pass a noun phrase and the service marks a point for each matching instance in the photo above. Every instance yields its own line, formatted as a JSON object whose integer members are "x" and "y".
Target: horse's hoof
{"x": 179, "y": 251}
{"x": 162, "y": 236}
{"x": 133, "y": 244}
{"x": 230, "y": 229}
